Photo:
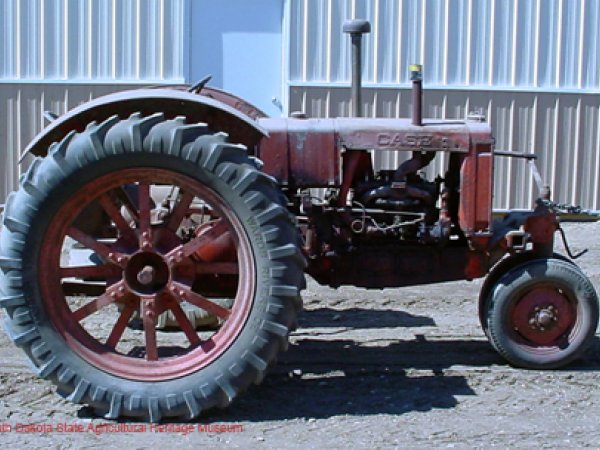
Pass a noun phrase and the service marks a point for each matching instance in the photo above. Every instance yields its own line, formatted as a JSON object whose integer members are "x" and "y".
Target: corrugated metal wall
{"x": 22, "y": 117}
{"x": 533, "y": 67}
{"x": 91, "y": 39}
{"x": 57, "y": 54}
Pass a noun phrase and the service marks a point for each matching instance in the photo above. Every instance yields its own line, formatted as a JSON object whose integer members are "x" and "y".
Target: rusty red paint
{"x": 401, "y": 135}
{"x": 305, "y": 152}
{"x": 300, "y": 152}
{"x": 477, "y": 265}
{"x": 221, "y": 247}
{"x": 483, "y": 203}
{"x": 475, "y": 211}
{"x": 273, "y": 151}
{"x": 541, "y": 228}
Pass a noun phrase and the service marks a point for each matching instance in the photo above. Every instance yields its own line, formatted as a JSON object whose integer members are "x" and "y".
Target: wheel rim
{"x": 147, "y": 269}
{"x": 544, "y": 316}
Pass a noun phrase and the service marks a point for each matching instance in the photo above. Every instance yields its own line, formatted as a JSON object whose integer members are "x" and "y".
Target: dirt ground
{"x": 404, "y": 368}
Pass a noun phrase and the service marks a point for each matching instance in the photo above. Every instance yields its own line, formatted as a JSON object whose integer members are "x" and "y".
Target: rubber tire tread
{"x": 497, "y": 271}
{"x": 517, "y": 281}
{"x": 191, "y": 149}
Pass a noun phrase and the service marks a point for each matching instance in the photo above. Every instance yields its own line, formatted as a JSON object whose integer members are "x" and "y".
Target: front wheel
{"x": 542, "y": 314}
{"x": 134, "y": 219}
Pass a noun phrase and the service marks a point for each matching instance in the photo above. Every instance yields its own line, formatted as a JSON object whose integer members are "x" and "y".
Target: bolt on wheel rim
{"x": 544, "y": 316}
{"x": 145, "y": 268}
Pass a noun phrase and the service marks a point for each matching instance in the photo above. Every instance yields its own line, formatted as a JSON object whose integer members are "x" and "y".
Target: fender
{"x": 197, "y": 108}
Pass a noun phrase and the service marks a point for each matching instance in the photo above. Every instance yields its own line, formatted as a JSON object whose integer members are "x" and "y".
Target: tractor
{"x": 153, "y": 256}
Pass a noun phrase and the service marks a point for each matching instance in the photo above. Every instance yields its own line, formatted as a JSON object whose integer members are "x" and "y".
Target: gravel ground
{"x": 405, "y": 368}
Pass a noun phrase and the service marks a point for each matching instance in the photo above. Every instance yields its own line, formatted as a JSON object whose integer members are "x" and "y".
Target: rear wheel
{"x": 542, "y": 314}
{"x": 192, "y": 229}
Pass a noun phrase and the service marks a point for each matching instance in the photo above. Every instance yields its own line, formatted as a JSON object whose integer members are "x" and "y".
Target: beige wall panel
{"x": 21, "y": 118}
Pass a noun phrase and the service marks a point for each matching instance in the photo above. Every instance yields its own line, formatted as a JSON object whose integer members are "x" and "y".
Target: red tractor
{"x": 153, "y": 257}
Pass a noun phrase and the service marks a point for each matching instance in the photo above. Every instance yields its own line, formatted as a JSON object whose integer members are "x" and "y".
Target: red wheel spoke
{"x": 180, "y": 211}
{"x": 103, "y": 271}
{"x": 185, "y": 324}
{"x": 192, "y": 246}
{"x": 150, "y": 336}
{"x": 103, "y": 250}
{"x": 89, "y": 242}
{"x": 224, "y": 268}
{"x": 208, "y": 345}
{"x": 111, "y": 295}
{"x": 115, "y": 215}
{"x": 120, "y": 325}
{"x": 184, "y": 293}
{"x": 144, "y": 204}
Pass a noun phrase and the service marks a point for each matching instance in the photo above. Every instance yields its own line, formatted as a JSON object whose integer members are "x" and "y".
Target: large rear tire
{"x": 149, "y": 264}
{"x": 542, "y": 314}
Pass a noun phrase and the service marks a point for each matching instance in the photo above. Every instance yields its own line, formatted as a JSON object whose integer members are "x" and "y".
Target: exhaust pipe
{"x": 416, "y": 76}
{"x": 356, "y": 28}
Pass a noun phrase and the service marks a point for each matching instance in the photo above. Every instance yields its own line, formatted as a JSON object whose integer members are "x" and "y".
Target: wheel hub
{"x": 147, "y": 273}
{"x": 543, "y": 316}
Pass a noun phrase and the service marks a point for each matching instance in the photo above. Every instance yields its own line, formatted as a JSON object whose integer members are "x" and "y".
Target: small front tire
{"x": 542, "y": 314}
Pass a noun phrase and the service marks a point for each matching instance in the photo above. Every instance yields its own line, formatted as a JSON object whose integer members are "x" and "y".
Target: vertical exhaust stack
{"x": 416, "y": 76}
{"x": 356, "y": 28}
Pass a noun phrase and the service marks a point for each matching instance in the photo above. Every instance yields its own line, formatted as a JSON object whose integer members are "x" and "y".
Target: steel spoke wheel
{"x": 147, "y": 268}
{"x": 121, "y": 238}
{"x": 542, "y": 314}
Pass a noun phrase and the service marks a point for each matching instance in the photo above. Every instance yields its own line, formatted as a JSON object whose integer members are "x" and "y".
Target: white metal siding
{"x": 91, "y": 39}
{"x": 57, "y": 54}
{"x": 533, "y": 66}
{"x": 22, "y": 107}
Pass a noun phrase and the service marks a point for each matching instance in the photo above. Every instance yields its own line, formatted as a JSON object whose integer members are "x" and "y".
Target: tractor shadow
{"x": 324, "y": 377}
{"x": 359, "y": 318}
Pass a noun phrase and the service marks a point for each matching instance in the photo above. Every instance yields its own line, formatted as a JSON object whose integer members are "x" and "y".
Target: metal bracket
{"x": 517, "y": 240}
